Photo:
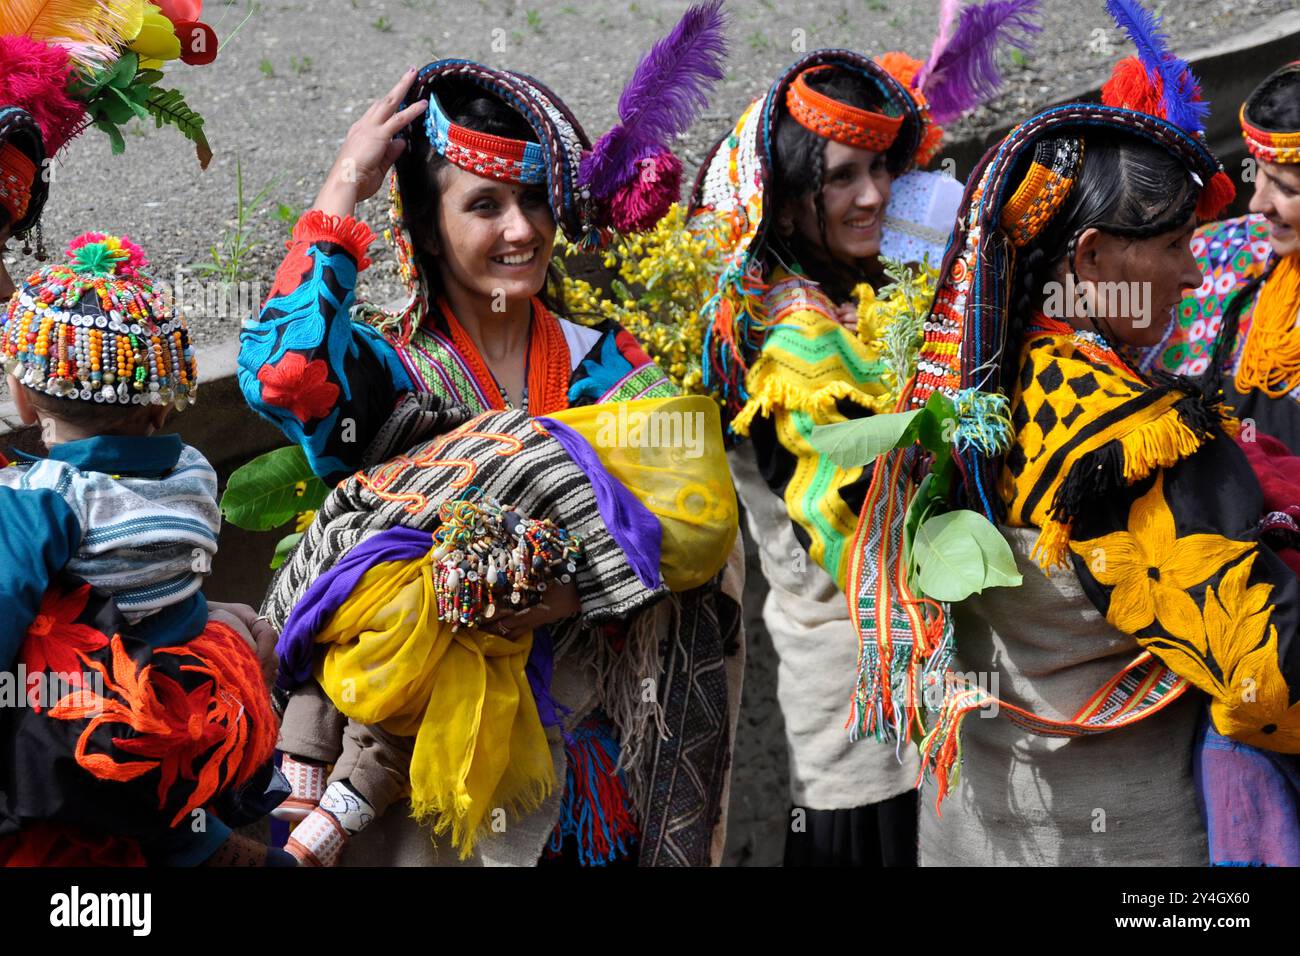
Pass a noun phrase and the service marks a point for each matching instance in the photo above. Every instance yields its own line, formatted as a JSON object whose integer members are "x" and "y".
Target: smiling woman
{"x": 489, "y": 165}
{"x": 1240, "y": 322}
{"x": 793, "y": 201}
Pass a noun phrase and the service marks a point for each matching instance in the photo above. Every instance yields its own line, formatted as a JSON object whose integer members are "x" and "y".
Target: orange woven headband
{"x": 832, "y": 119}
{"x": 1271, "y": 146}
{"x": 17, "y": 173}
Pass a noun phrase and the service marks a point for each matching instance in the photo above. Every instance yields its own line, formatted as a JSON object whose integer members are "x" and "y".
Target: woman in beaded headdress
{"x": 1072, "y": 245}
{"x": 489, "y": 164}
{"x": 22, "y": 189}
{"x": 1241, "y": 321}
{"x": 794, "y": 201}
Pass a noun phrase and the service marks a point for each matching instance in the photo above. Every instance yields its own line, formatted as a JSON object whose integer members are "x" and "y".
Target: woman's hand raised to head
{"x": 369, "y": 151}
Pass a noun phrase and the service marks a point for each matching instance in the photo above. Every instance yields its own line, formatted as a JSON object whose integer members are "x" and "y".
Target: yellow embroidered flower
{"x": 303, "y": 521}
{"x": 1251, "y": 700}
{"x": 1150, "y": 568}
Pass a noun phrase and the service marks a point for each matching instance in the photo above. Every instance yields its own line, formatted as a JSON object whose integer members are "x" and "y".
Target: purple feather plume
{"x": 670, "y": 87}
{"x": 947, "y": 17}
{"x": 966, "y": 72}
{"x": 1180, "y": 96}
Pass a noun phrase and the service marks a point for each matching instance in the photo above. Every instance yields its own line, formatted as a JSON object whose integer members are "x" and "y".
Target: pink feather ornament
{"x": 636, "y": 206}
{"x": 34, "y": 75}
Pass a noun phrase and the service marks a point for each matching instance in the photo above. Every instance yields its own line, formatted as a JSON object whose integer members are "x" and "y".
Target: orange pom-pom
{"x": 1130, "y": 87}
{"x": 929, "y": 144}
{"x": 1218, "y": 192}
{"x": 904, "y": 69}
{"x": 900, "y": 66}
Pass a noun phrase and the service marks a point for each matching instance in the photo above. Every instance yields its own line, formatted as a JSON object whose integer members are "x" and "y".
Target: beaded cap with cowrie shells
{"x": 95, "y": 329}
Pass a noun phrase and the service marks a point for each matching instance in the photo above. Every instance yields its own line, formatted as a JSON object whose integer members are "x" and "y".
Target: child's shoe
{"x": 307, "y": 783}
{"x": 320, "y": 838}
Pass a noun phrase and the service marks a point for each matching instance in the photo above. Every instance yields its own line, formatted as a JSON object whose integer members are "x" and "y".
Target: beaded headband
{"x": 1052, "y": 173}
{"x": 841, "y": 122}
{"x": 17, "y": 173}
{"x": 1266, "y": 145}
{"x": 484, "y": 154}
{"x": 96, "y": 329}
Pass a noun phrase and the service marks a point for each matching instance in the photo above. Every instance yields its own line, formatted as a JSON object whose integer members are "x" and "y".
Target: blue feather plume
{"x": 670, "y": 87}
{"x": 1180, "y": 94}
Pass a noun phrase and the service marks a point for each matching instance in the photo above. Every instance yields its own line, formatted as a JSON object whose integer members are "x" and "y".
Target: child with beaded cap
{"x": 125, "y": 521}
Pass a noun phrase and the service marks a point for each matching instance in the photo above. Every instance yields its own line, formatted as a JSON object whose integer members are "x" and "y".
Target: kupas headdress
{"x": 730, "y": 202}
{"x": 72, "y": 64}
{"x": 1016, "y": 189}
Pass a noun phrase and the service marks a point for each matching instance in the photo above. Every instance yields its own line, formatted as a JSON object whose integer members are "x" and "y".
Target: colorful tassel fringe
{"x": 596, "y": 808}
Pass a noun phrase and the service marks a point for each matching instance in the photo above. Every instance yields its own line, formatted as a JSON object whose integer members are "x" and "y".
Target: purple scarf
{"x": 631, "y": 523}
{"x": 328, "y": 592}
{"x": 1250, "y": 799}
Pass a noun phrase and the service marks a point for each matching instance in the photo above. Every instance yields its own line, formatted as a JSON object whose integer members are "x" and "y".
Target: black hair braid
{"x": 1157, "y": 226}
{"x": 1027, "y": 291}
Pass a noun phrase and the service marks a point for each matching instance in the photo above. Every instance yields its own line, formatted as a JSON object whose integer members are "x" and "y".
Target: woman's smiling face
{"x": 1277, "y": 199}
{"x": 855, "y": 189}
{"x": 495, "y": 238}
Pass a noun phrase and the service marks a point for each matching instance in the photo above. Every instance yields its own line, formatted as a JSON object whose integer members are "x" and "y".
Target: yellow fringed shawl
{"x": 808, "y": 364}
{"x": 1074, "y": 398}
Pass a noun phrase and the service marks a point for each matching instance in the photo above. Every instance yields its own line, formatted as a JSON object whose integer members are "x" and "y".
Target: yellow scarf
{"x": 461, "y": 695}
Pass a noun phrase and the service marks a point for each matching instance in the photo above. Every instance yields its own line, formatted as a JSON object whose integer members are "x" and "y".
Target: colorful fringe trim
{"x": 905, "y": 644}
{"x": 736, "y": 326}
{"x": 596, "y": 808}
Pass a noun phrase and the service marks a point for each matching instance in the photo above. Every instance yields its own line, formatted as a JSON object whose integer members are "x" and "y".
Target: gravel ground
{"x": 283, "y": 92}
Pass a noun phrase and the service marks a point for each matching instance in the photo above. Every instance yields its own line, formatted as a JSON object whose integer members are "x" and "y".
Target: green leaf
{"x": 148, "y": 77}
{"x": 961, "y": 553}
{"x": 117, "y": 109}
{"x": 169, "y": 107}
{"x": 857, "y": 443}
{"x": 283, "y": 549}
{"x": 114, "y": 135}
{"x": 123, "y": 72}
{"x": 270, "y": 490}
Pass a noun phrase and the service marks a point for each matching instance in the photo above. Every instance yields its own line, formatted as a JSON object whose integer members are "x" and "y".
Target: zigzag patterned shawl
{"x": 676, "y": 782}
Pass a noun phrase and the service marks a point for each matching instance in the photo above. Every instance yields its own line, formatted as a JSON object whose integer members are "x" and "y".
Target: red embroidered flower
{"x": 294, "y": 270}
{"x": 55, "y": 643}
{"x": 300, "y": 386}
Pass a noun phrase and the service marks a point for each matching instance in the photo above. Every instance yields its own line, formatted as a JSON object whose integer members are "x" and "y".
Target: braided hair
{"x": 1128, "y": 188}
{"x": 798, "y": 169}
{"x": 420, "y": 165}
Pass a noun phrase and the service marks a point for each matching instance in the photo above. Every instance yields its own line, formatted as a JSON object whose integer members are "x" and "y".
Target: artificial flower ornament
{"x": 198, "y": 42}
{"x": 157, "y": 41}
{"x": 181, "y": 11}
